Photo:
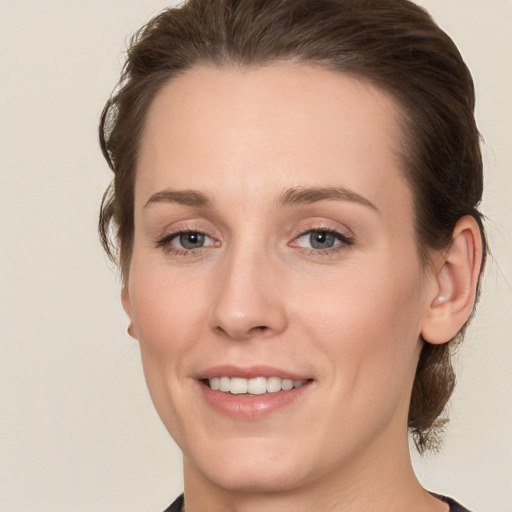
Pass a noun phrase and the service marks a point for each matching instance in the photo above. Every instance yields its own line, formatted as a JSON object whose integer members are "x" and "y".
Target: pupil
{"x": 191, "y": 240}
{"x": 321, "y": 240}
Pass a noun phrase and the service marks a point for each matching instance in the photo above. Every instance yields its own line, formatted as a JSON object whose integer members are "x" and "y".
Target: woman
{"x": 295, "y": 201}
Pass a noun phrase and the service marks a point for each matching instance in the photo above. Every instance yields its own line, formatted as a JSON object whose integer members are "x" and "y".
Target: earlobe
{"x": 456, "y": 280}
{"x": 127, "y": 306}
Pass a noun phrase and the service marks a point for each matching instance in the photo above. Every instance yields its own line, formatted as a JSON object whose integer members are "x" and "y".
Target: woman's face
{"x": 274, "y": 247}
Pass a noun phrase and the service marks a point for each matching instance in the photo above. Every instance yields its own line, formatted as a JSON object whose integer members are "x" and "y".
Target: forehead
{"x": 282, "y": 125}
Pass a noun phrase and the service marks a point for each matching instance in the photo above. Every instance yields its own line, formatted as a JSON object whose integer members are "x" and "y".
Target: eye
{"x": 185, "y": 241}
{"x": 191, "y": 240}
{"x": 323, "y": 239}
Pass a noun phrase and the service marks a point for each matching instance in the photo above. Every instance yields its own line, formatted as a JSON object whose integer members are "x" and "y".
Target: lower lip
{"x": 251, "y": 407}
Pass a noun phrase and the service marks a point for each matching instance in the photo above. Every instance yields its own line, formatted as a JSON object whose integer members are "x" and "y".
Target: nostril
{"x": 220, "y": 330}
{"x": 241, "y": 332}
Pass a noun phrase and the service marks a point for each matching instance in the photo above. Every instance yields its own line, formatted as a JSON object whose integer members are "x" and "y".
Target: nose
{"x": 250, "y": 298}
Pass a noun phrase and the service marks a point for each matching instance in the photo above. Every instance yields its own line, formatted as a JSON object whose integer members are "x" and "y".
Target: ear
{"x": 455, "y": 281}
{"x": 127, "y": 306}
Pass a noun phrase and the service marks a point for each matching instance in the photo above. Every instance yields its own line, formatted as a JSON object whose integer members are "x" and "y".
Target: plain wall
{"x": 77, "y": 429}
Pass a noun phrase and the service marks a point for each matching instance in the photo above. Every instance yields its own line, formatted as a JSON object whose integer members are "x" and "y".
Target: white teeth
{"x": 238, "y": 386}
{"x": 256, "y": 386}
{"x": 274, "y": 384}
{"x": 225, "y": 384}
{"x": 287, "y": 384}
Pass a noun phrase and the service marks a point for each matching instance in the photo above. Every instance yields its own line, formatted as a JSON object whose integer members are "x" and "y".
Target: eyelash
{"x": 344, "y": 241}
{"x": 165, "y": 243}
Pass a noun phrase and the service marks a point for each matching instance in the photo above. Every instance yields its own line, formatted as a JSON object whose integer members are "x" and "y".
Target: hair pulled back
{"x": 394, "y": 44}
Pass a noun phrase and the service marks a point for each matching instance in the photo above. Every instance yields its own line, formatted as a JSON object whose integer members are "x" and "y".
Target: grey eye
{"x": 191, "y": 240}
{"x": 321, "y": 240}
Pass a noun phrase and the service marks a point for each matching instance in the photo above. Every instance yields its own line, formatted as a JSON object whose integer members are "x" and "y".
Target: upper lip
{"x": 249, "y": 372}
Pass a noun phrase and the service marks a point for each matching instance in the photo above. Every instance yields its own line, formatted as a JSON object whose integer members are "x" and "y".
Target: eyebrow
{"x": 183, "y": 197}
{"x": 290, "y": 197}
{"x": 301, "y": 195}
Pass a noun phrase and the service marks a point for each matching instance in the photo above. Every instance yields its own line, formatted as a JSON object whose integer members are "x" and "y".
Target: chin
{"x": 255, "y": 479}
{"x": 256, "y": 468}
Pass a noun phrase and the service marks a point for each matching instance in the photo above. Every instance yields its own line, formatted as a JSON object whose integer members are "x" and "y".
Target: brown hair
{"x": 392, "y": 43}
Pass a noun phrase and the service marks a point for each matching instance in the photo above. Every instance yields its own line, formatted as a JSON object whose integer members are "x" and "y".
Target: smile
{"x": 254, "y": 386}
{"x": 250, "y": 393}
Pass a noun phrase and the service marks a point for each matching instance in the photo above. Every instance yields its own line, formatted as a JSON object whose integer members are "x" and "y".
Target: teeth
{"x": 238, "y": 386}
{"x": 287, "y": 384}
{"x": 256, "y": 386}
{"x": 225, "y": 384}
{"x": 274, "y": 384}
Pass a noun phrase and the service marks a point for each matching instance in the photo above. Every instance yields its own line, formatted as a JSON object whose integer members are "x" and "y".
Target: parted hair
{"x": 393, "y": 44}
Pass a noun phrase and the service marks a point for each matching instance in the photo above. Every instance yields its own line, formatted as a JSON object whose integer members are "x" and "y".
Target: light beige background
{"x": 77, "y": 429}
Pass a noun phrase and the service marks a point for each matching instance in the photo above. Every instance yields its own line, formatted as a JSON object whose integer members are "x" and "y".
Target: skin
{"x": 348, "y": 317}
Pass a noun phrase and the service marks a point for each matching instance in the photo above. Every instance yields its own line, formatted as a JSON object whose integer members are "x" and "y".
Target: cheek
{"x": 368, "y": 321}
{"x": 169, "y": 316}
{"x": 167, "y": 312}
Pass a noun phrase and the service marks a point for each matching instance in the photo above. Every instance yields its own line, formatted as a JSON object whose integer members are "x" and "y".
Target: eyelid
{"x": 342, "y": 240}
{"x": 163, "y": 241}
{"x": 345, "y": 237}
{"x": 337, "y": 234}
{"x": 322, "y": 224}
{"x": 166, "y": 239}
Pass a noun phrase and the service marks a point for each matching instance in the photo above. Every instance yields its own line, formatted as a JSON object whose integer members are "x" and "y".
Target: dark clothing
{"x": 454, "y": 506}
{"x": 176, "y": 506}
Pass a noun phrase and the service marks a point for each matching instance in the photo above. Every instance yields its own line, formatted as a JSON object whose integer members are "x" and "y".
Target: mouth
{"x": 253, "y": 386}
{"x": 252, "y": 393}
